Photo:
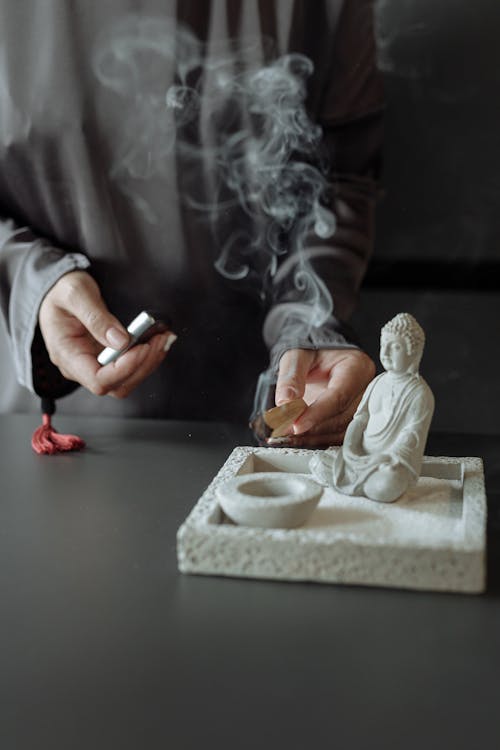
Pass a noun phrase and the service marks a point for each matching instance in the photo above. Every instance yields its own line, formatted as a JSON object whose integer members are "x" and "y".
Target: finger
{"x": 85, "y": 369}
{"x": 292, "y": 374}
{"x": 78, "y": 294}
{"x": 155, "y": 356}
{"x": 347, "y": 382}
{"x": 137, "y": 363}
{"x": 336, "y": 424}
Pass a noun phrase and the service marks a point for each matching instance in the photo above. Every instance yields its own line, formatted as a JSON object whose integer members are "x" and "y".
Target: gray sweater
{"x": 214, "y": 161}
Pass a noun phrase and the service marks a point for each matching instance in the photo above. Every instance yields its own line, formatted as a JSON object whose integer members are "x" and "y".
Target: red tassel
{"x": 46, "y": 439}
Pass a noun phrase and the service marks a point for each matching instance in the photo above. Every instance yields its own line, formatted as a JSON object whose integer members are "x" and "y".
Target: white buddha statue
{"x": 384, "y": 444}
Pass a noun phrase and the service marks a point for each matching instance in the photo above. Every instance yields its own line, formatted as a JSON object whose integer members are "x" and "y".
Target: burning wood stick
{"x": 281, "y": 418}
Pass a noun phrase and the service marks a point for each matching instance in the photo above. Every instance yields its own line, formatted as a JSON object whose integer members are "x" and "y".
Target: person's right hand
{"x": 76, "y": 325}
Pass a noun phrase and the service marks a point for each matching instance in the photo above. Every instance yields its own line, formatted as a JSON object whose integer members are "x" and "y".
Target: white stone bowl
{"x": 269, "y": 500}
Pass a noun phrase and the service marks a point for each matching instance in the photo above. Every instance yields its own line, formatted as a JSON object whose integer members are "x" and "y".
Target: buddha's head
{"x": 402, "y": 343}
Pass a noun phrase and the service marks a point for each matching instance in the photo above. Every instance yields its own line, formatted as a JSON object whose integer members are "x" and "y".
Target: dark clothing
{"x": 119, "y": 153}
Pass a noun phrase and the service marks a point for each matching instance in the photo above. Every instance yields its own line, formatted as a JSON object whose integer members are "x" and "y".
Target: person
{"x": 129, "y": 135}
{"x": 384, "y": 444}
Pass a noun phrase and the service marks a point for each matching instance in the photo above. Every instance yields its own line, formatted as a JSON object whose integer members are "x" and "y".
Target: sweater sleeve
{"x": 29, "y": 267}
{"x": 350, "y": 112}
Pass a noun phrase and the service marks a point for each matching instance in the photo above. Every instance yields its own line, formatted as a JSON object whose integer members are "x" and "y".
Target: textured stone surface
{"x": 432, "y": 538}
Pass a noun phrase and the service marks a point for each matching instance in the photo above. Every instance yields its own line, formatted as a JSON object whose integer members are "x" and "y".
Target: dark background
{"x": 437, "y": 250}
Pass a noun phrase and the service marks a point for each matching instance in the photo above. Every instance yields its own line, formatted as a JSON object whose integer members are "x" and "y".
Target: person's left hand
{"x": 332, "y": 382}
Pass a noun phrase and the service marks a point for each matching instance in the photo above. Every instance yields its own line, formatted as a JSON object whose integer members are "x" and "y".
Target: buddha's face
{"x": 394, "y": 355}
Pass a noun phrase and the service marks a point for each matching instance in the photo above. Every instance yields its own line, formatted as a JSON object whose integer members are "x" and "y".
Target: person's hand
{"x": 332, "y": 382}
{"x": 76, "y": 325}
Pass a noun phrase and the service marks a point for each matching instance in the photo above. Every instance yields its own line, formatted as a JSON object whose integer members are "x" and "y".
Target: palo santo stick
{"x": 281, "y": 418}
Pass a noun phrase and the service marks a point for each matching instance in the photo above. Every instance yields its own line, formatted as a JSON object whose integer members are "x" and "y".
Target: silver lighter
{"x": 141, "y": 329}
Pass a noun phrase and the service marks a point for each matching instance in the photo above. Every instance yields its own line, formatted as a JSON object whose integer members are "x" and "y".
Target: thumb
{"x": 294, "y": 367}
{"x": 79, "y": 295}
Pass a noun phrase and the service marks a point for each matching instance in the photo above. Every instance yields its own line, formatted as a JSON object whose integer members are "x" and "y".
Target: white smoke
{"x": 264, "y": 152}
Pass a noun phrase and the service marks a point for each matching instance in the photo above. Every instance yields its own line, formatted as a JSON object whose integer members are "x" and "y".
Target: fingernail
{"x": 286, "y": 394}
{"x": 116, "y": 338}
{"x": 304, "y": 426}
{"x": 171, "y": 339}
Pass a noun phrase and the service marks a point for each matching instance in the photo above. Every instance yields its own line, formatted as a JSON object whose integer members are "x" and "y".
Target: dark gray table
{"x": 104, "y": 645}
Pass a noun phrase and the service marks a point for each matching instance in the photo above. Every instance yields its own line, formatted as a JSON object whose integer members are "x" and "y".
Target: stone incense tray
{"x": 432, "y": 538}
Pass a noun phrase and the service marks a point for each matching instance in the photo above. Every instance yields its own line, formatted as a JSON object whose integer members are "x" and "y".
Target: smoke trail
{"x": 137, "y": 61}
{"x": 262, "y": 159}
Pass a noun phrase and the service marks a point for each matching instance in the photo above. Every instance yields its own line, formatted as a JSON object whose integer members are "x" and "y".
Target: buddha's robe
{"x": 384, "y": 433}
